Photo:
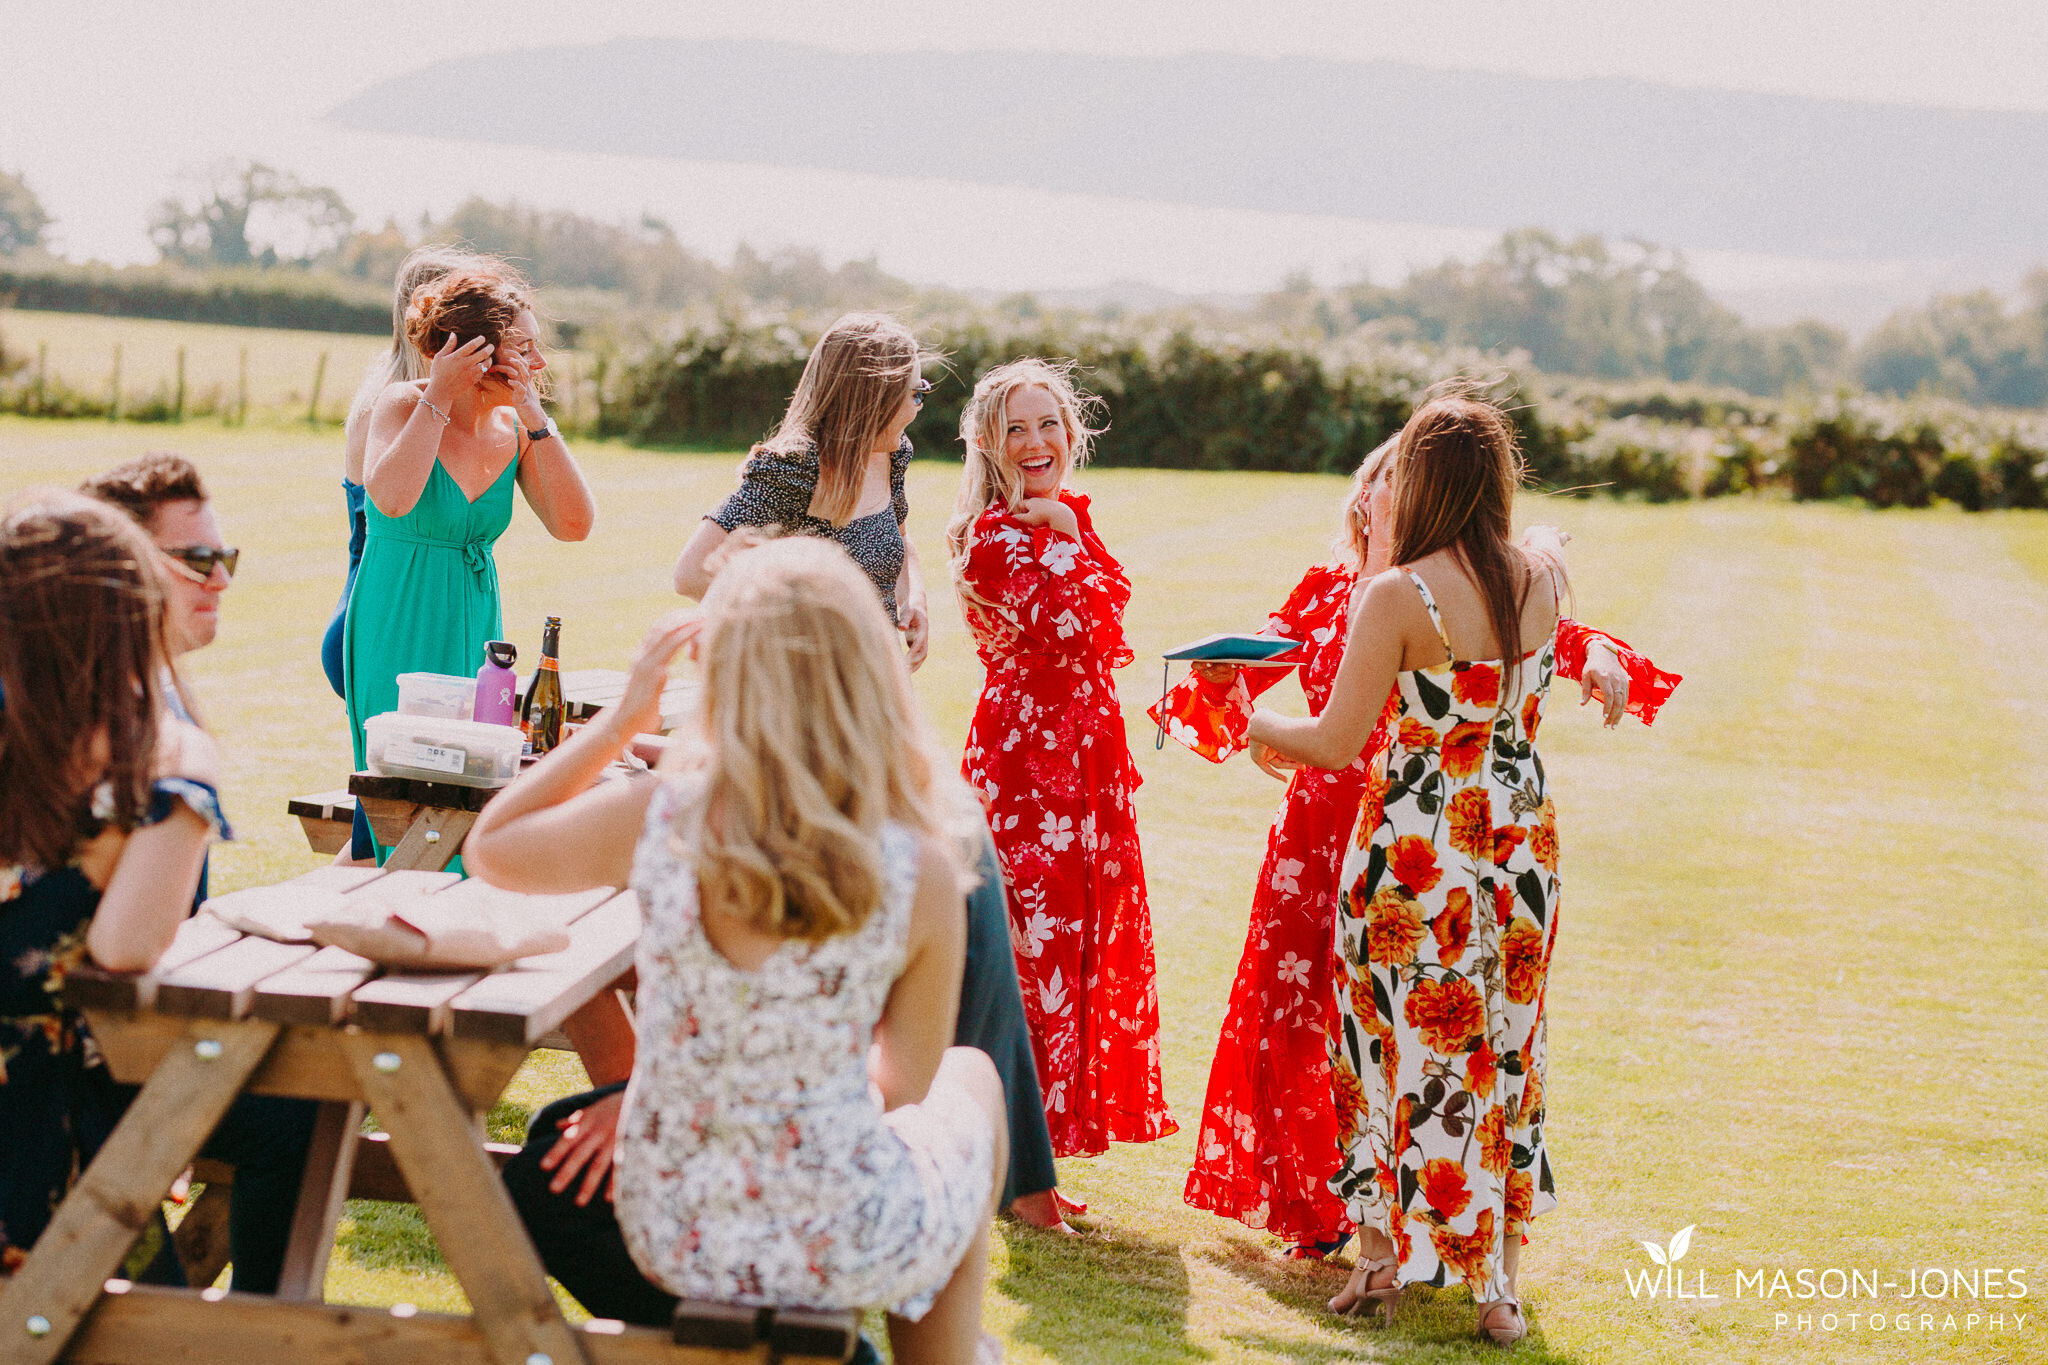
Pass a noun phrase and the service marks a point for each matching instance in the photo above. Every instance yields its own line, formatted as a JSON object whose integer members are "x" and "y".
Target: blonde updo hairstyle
{"x": 481, "y": 300}
{"x": 812, "y": 738}
{"x": 988, "y": 478}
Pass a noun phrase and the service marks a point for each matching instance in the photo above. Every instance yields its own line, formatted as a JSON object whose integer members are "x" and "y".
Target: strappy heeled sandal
{"x": 1508, "y": 1334}
{"x": 1317, "y": 1251}
{"x": 1383, "y": 1296}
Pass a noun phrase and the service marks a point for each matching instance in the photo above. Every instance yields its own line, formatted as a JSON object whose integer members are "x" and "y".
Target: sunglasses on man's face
{"x": 918, "y": 391}
{"x": 200, "y": 559}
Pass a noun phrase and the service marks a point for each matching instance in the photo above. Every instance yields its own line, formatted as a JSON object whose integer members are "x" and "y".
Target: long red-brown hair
{"x": 81, "y": 656}
{"x": 1455, "y": 475}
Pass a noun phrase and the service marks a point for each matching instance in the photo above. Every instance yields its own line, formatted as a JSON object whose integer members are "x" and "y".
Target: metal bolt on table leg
{"x": 207, "y": 1049}
{"x": 38, "y": 1325}
{"x": 387, "y": 1062}
{"x": 540, "y": 1358}
{"x": 434, "y": 837}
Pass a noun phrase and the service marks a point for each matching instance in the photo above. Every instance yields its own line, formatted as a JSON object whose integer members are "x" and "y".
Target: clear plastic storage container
{"x": 436, "y": 694}
{"x": 439, "y": 749}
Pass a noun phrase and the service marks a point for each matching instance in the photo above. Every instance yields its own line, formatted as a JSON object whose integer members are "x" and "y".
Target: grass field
{"x": 1798, "y": 998}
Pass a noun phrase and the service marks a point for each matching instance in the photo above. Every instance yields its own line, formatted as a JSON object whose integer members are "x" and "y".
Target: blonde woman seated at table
{"x": 796, "y": 1131}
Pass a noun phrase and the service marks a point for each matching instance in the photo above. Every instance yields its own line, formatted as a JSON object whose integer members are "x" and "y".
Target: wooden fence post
{"x": 242, "y": 392}
{"x": 42, "y": 374}
{"x": 114, "y": 402}
{"x": 178, "y": 404}
{"x": 319, "y": 378}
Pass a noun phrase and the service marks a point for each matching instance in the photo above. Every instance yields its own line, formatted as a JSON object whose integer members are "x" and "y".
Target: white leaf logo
{"x": 1680, "y": 1240}
{"x": 1656, "y": 1253}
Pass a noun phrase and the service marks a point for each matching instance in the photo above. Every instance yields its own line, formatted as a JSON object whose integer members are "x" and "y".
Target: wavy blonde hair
{"x": 987, "y": 477}
{"x": 854, "y": 383}
{"x": 812, "y": 738}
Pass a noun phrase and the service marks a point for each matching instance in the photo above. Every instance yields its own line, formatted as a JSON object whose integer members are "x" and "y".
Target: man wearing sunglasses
{"x": 264, "y": 1137}
{"x": 164, "y": 493}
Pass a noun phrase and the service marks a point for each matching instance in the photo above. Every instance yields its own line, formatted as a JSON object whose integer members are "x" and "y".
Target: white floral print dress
{"x": 755, "y": 1163}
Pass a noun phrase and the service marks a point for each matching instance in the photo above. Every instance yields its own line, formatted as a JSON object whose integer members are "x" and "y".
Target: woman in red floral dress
{"x": 1048, "y": 754}
{"x": 1269, "y": 1137}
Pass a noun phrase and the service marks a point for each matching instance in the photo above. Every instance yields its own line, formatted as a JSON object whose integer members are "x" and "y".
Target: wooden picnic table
{"x": 225, "y": 1013}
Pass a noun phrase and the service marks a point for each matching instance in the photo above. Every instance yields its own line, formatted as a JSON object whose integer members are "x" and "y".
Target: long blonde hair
{"x": 1354, "y": 536}
{"x": 852, "y": 386}
{"x": 403, "y": 361}
{"x": 988, "y": 478}
{"x": 812, "y": 738}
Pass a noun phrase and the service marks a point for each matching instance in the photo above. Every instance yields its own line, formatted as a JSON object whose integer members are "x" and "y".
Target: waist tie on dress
{"x": 475, "y": 553}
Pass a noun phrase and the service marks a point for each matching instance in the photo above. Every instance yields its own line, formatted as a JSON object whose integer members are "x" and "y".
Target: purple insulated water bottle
{"x": 497, "y": 686}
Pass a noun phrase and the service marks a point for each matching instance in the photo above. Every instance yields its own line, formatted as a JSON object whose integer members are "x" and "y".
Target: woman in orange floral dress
{"x": 1447, "y": 911}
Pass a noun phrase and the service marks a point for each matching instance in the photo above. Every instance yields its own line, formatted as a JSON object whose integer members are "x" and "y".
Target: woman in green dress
{"x": 443, "y": 455}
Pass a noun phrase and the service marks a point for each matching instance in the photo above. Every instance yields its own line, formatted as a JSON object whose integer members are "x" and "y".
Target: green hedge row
{"x": 241, "y": 298}
{"x": 1177, "y": 399}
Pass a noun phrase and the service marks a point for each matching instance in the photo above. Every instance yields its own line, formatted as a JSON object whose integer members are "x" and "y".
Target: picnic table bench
{"x": 223, "y": 1013}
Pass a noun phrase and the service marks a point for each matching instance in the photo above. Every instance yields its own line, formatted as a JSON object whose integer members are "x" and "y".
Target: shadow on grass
{"x": 1430, "y": 1325}
{"x": 1113, "y": 1295}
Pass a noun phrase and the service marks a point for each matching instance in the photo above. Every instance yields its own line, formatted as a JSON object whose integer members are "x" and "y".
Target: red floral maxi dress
{"x": 1270, "y": 1127}
{"x": 1268, "y": 1141}
{"x": 1048, "y": 754}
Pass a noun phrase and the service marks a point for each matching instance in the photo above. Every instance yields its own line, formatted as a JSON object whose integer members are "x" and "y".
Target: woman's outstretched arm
{"x": 557, "y": 827}
{"x": 1372, "y": 659}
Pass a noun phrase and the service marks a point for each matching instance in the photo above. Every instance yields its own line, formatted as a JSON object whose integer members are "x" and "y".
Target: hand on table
{"x": 588, "y": 1138}
{"x": 1050, "y": 512}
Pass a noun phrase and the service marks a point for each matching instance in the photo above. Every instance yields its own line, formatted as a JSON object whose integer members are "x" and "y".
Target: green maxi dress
{"x": 426, "y": 594}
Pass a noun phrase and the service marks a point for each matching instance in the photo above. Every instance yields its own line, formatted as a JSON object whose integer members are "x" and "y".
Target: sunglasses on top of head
{"x": 918, "y": 392}
{"x": 200, "y": 559}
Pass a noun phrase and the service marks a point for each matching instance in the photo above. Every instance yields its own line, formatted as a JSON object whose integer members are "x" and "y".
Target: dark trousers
{"x": 264, "y": 1137}
{"x": 992, "y": 1020}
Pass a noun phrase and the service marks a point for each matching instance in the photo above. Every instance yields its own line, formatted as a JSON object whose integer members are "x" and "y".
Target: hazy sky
{"x": 101, "y": 104}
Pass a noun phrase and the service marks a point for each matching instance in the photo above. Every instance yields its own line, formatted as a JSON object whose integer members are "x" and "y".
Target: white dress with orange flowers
{"x": 1447, "y": 912}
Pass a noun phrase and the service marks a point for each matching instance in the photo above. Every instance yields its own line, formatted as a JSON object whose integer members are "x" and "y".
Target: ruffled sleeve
{"x": 775, "y": 490}
{"x": 1649, "y": 686}
{"x": 1048, "y": 588}
{"x": 1212, "y": 720}
{"x": 166, "y": 793}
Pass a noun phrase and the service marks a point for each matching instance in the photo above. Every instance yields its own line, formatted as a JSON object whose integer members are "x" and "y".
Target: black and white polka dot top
{"x": 776, "y": 490}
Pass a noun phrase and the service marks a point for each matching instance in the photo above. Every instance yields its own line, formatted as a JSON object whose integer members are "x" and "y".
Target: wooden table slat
{"x": 563, "y": 909}
{"x": 315, "y": 990}
{"x": 526, "y": 1003}
{"x": 222, "y": 985}
{"x": 408, "y": 1002}
{"x": 89, "y": 987}
{"x": 322, "y": 805}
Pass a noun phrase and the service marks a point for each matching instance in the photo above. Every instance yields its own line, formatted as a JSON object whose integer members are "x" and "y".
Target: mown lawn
{"x": 1798, "y": 1000}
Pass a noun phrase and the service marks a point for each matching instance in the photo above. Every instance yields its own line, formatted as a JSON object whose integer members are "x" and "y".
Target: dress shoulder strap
{"x": 1435, "y": 618}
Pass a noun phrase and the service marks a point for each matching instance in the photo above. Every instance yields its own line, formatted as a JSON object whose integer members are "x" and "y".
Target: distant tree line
{"x": 249, "y": 243}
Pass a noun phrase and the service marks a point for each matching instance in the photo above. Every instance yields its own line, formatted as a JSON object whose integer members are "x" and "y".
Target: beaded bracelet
{"x": 430, "y": 406}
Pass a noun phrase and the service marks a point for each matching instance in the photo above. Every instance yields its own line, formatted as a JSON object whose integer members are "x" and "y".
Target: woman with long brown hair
{"x": 107, "y": 804}
{"x": 834, "y": 469}
{"x": 1447, "y": 909}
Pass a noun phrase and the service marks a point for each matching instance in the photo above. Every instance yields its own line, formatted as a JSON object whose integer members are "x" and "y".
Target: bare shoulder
{"x": 399, "y": 396}
{"x": 938, "y": 909}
